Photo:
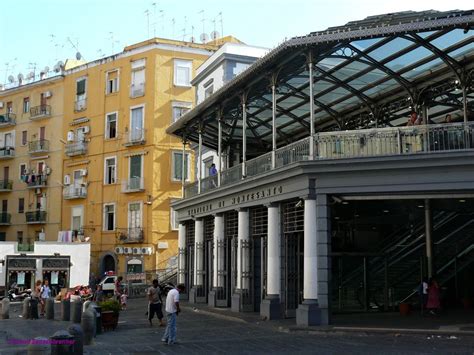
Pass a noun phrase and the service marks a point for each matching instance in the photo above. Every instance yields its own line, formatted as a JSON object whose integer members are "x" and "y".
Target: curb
{"x": 213, "y": 314}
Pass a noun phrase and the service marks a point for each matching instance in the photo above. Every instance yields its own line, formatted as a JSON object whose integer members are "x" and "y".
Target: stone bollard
{"x": 76, "y": 331}
{"x": 34, "y": 308}
{"x": 88, "y": 325}
{"x": 62, "y": 343}
{"x": 76, "y": 311}
{"x": 39, "y": 346}
{"x": 5, "y": 309}
{"x": 49, "y": 308}
{"x": 86, "y": 305}
{"x": 26, "y": 308}
{"x": 65, "y": 310}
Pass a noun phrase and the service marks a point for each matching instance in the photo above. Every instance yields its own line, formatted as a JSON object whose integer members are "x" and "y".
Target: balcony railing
{"x": 35, "y": 181}
{"x": 135, "y": 137}
{"x": 76, "y": 148}
{"x": 25, "y": 247}
{"x": 80, "y": 105}
{"x": 39, "y": 112}
{"x": 5, "y": 218}
{"x": 133, "y": 184}
{"x": 39, "y": 146}
{"x": 6, "y": 185}
{"x": 137, "y": 90}
{"x": 7, "y": 119}
{"x": 7, "y": 152}
{"x": 132, "y": 235}
{"x": 353, "y": 144}
{"x": 35, "y": 217}
{"x": 74, "y": 191}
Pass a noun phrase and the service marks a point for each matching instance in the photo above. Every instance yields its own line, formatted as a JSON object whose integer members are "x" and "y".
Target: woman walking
{"x": 433, "y": 297}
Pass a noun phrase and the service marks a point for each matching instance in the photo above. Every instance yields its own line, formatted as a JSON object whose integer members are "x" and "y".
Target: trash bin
{"x": 34, "y": 308}
{"x": 62, "y": 343}
{"x": 404, "y": 309}
{"x": 98, "y": 319}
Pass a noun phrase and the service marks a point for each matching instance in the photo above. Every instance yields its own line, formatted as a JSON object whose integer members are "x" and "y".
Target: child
{"x": 123, "y": 300}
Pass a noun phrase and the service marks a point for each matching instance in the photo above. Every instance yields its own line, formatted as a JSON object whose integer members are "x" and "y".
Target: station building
{"x": 327, "y": 198}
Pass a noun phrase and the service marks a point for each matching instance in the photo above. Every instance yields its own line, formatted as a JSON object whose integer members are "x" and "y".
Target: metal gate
{"x": 189, "y": 273}
{"x": 207, "y": 260}
{"x": 256, "y": 250}
{"x": 293, "y": 247}
{"x": 228, "y": 269}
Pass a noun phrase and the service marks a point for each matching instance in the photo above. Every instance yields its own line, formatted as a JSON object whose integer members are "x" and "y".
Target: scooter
{"x": 13, "y": 294}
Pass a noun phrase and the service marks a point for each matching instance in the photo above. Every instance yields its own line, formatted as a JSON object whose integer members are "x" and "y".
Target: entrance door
{"x": 108, "y": 263}
{"x": 293, "y": 272}
{"x": 257, "y": 273}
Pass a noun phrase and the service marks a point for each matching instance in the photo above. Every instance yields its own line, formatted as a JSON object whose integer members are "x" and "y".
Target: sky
{"x": 39, "y": 33}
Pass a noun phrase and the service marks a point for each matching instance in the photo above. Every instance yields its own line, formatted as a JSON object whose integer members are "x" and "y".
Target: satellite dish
{"x": 204, "y": 37}
{"x": 192, "y": 39}
{"x": 31, "y": 75}
{"x": 57, "y": 68}
{"x": 214, "y": 35}
{"x": 20, "y": 77}
{"x": 78, "y": 56}
{"x": 11, "y": 78}
{"x": 46, "y": 69}
{"x": 61, "y": 64}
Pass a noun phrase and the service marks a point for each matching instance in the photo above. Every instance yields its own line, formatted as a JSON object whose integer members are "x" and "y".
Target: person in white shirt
{"x": 172, "y": 310}
{"x": 45, "y": 293}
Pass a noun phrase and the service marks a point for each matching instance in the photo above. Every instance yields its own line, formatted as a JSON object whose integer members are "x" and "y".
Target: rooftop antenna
{"x": 184, "y": 28}
{"x": 204, "y": 37}
{"x": 20, "y": 78}
{"x": 11, "y": 79}
{"x": 75, "y": 46}
{"x": 203, "y": 20}
{"x": 33, "y": 67}
{"x": 192, "y": 39}
{"x": 222, "y": 24}
{"x": 173, "y": 21}
{"x": 147, "y": 14}
{"x": 112, "y": 41}
{"x": 154, "y": 19}
{"x": 162, "y": 17}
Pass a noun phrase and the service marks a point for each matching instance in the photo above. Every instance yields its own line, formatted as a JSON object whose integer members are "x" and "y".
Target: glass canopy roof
{"x": 369, "y": 73}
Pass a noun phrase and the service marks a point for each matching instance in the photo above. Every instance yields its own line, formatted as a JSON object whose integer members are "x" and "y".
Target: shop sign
{"x": 56, "y": 263}
{"x": 136, "y": 276}
{"x": 22, "y": 263}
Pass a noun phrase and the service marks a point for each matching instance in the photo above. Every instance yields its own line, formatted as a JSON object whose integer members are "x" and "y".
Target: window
{"x": 26, "y": 105}
{"x": 78, "y": 177}
{"x": 24, "y": 137}
{"x": 3, "y": 236}
{"x": 112, "y": 82}
{"x": 135, "y": 218}
{"x": 76, "y": 218}
{"x": 110, "y": 171}
{"x": 21, "y": 205}
{"x": 180, "y": 108}
{"x": 182, "y": 72}
{"x": 111, "y": 125}
{"x": 109, "y": 217}
{"x": 208, "y": 92}
{"x": 136, "y": 133}
{"x": 174, "y": 219}
{"x": 22, "y": 170}
{"x": 137, "y": 87}
{"x": 19, "y": 237}
{"x": 177, "y": 166}
{"x": 81, "y": 87}
{"x": 9, "y": 107}
{"x": 207, "y": 166}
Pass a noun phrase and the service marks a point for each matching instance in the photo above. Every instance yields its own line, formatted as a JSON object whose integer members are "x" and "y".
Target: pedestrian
{"x": 423, "y": 292}
{"x": 172, "y": 310}
{"x": 212, "y": 170}
{"x": 413, "y": 120}
{"x": 45, "y": 293}
{"x": 98, "y": 294}
{"x": 155, "y": 303}
{"x": 118, "y": 288}
{"x": 433, "y": 303}
{"x": 123, "y": 299}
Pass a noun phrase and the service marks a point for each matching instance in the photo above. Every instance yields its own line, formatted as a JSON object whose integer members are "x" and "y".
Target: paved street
{"x": 202, "y": 332}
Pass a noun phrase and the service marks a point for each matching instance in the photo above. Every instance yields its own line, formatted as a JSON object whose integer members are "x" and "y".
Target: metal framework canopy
{"x": 369, "y": 73}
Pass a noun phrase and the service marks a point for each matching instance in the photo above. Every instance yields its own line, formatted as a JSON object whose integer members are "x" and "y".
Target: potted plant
{"x": 110, "y": 311}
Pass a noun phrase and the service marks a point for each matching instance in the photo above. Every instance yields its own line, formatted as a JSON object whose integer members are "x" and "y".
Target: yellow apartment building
{"x": 120, "y": 168}
{"x": 31, "y": 156}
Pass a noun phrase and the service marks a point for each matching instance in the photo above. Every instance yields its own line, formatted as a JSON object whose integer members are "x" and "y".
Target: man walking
{"x": 172, "y": 310}
{"x": 155, "y": 303}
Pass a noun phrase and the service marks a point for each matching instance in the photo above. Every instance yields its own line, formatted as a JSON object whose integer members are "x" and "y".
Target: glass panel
{"x": 384, "y": 87}
{"x": 135, "y": 166}
{"x": 411, "y": 74}
{"x": 365, "y": 43}
{"x": 390, "y": 48}
{"x": 409, "y": 58}
{"x": 334, "y": 95}
{"x": 451, "y": 38}
{"x": 366, "y": 79}
{"x": 350, "y": 70}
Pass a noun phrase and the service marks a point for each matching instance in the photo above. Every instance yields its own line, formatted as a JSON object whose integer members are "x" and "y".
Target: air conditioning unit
{"x": 47, "y": 94}
{"x": 127, "y": 250}
{"x": 48, "y": 170}
{"x": 119, "y": 250}
{"x": 70, "y": 136}
{"x": 83, "y": 172}
{"x": 136, "y": 251}
{"x": 147, "y": 251}
{"x": 1, "y": 104}
{"x": 67, "y": 180}
{"x": 38, "y": 191}
{"x": 86, "y": 129}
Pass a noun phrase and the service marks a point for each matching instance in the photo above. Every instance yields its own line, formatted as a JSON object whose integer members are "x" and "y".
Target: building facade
{"x": 121, "y": 169}
{"x": 350, "y": 177}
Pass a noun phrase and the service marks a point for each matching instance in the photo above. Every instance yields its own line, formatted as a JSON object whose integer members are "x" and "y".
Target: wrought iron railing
{"x": 131, "y": 235}
{"x": 259, "y": 165}
{"x": 39, "y": 146}
{"x": 35, "y": 217}
{"x": 231, "y": 175}
{"x": 135, "y": 136}
{"x": 35, "y": 181}
{"x": 74, "y": 191}
{"x": 7, "y": 152}
{"x": 208, "y": 183}
{"x": 6, "y": 185}
{"x": 25, "y": 247}
{"x": 7, "y": 119}
{"x": 5, "y": 218}
{"x": 292, "y": 153}
{"x": 133, "y": 184}
{"x": 40, "y": 111}
{"x": 191, "y": 189}
{"x": 76, "y": 148}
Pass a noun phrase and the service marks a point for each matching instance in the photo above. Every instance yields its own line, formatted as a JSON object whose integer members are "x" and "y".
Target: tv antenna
{"x": 154, "y": 19}
{"x": 20, "y": 78}
{"x": 184, "y": 28}
{"x": 75, "y": 46}
{"x": 203, "y": 20}
{"x": 147, "y": 14}
{"x": 173, "y": 21}
{"x": 112, "y": 41}
{"x": 204, "y": 37}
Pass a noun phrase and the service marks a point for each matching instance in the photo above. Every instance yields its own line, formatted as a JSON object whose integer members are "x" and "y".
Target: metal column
{"x": 244, "y": 136}
{"x": 273, "y": 123}
{"x": 311, "y": 107}
{"x": 219, "y": 149}
{"x": 183, "y": 166}
{"x": 199, "y": 160}
{"x": 429, "y": 239}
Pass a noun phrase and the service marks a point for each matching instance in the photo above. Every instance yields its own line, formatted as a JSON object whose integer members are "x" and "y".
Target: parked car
{"x": 108, "y": 284}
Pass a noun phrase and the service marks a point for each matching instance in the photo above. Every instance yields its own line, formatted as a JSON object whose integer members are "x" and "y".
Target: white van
{"x": 108, "y": 284}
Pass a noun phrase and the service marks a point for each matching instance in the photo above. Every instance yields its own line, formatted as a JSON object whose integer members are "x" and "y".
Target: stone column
{"x": 218, "y": 260}
{"x": 243, "y": 258}
{"x": 316, "y": 270}
{"x": 198, "y": 260}
{"x": 270, "y": 307}
{"x": 181, "y": 253}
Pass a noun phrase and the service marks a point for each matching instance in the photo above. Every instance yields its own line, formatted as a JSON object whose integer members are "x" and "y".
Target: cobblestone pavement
{"x": 200, "y": 332}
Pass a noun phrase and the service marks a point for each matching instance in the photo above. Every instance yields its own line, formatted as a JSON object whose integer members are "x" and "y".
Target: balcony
{"x": 25, "y": 247}
{"x": 40, "y": 112}
{"x": 5, "y": 219}
{"x": 7, "y": 152}
{"x": 76, "y": 148}
{"x": 74, "y": 191}
{"x": 6, "y": 185}
{"x": 80, "y": 105}
{"x": 135, "y": 137}
{"x": 131, "y": 235}
{"x": 35, "y": 181}
{"x": 135, "y": 184}
{"x": 137, "y": 90}
{"x": 425, "y": 139}
{"x": 35, "y": 217}
{"x": 7, "y": 119}
{"x": 39, "y": 146}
